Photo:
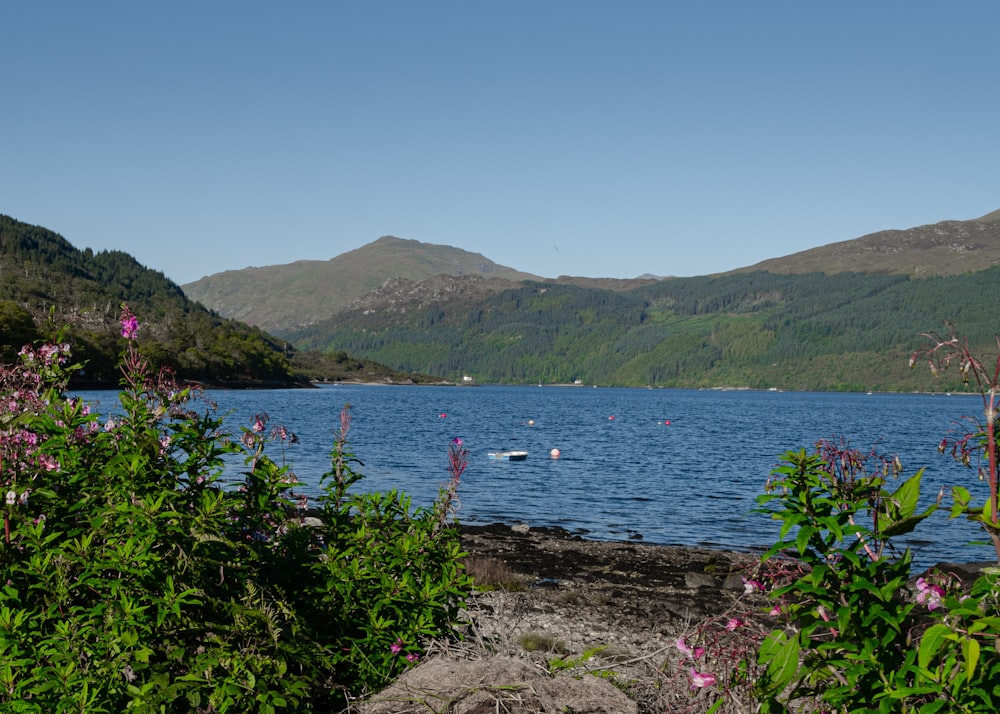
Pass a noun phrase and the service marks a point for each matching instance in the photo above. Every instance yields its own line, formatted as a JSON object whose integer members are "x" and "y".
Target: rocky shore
{"x": 552, "y": 607}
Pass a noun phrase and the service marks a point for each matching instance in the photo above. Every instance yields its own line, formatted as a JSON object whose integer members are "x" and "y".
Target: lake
{"x": 670, "y": 466}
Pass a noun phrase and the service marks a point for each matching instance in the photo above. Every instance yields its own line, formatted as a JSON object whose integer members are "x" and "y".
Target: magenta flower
{"x": 684, "y": 648}
{"x": 396, "y": 647}
{"x": 929, "y": 594}
{"x": 750, "y": 586}
{"x": 412, "y": 657}
{"x": 700, "y": 680}
{"x": 129, "y": 323}
{"x": 733, "y": 623}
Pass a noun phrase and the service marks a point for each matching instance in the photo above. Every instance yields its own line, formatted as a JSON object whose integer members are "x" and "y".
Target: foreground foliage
{"x": 136, "y": 578}
{"x": 859, "y": 633}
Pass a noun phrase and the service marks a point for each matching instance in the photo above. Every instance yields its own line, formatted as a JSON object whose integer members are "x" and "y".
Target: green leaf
{"x": 781, "y": 656}
{"x": 970, "y": 650}
{"x": 931, "y": 642}
{"x": 961, "y": 497}
{"x": 899, "y": 516}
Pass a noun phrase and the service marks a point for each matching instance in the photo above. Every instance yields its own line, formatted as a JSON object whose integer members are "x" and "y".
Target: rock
{"x": 495, "y": 684}
{"x": 699, "y": 580}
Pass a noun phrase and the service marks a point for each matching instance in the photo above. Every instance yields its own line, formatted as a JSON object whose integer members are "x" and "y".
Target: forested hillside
{"x": 47, "y": 285}
{"x": 848, "y": 331}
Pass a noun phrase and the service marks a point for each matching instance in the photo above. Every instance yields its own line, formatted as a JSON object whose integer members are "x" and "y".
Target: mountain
{"x": 47, "y": 286}
{"x": 288, "y": 297}
{"x": 945, "y": 248}
{"x": 811, "y": 331}
{"x": 304, "y": 292}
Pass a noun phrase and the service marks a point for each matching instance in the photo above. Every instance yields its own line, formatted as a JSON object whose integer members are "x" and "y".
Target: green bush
{"x": 855, "y": 638}
{"x": 135, "y": 578}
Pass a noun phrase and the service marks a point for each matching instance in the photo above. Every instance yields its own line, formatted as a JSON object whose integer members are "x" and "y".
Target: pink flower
{"x": 258, "y": 424}
{"x": 129, "y": 323}
{"x": 684, "y": 648}
{"x": 396, "y": 647}
{"x": 750, "y": 586}
{"x": 734, "y": 622}
{"x": 699, "y": 680}
{"x": 929, "y": 594}
{"x": 775, "y": 611}
{"x": 48, "y": 462}
{"x": 412, "y": 657}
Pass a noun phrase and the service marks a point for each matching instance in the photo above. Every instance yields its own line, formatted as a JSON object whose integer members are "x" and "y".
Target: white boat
{"x": 508, "y": 455}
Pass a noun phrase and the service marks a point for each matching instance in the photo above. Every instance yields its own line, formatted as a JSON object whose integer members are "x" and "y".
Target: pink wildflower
{"x": 48, "y": 462}
{"x": 258, "y": 424}
{"x": 129, "y": 323}
{"x": 396, "y": 647}
{"x": 750, "y": 586}
{"x": 412, "y": 657}
{"x": 929, "y": 594}
{"x": 734, "y": 622}
{"x": 684, "y": 648}
{"x": 700, "y": 680}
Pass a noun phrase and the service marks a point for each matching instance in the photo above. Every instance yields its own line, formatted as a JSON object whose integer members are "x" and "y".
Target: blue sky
{"x": 602, "y": 139}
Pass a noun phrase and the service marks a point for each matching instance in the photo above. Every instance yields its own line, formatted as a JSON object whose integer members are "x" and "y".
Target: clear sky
{"x": 602, "y": 139}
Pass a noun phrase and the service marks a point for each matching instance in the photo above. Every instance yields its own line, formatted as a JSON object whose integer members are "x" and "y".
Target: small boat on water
{"x": 508, "y": 455}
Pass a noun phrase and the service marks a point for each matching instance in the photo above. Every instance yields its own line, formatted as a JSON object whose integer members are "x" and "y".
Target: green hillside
{"x": 48, "y": 286}
{"x": 848, "y": 331}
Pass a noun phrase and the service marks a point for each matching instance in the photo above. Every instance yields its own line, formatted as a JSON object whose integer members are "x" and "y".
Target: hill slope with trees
{"x": 847, "y": 331}
{"x": 48, "y": 287}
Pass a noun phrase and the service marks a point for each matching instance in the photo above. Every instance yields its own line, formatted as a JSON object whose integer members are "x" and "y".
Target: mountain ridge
{"x": 300, "y": 293}
{"x": 296, "y": 295}
{"x": 942, "y": 248}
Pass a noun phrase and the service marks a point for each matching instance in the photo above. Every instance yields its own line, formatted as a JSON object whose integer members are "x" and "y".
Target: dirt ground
{"x": 573, "y": 625}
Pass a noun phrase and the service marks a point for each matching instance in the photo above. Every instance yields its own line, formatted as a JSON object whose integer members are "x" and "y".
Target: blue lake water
{"x": 624, "y": 471}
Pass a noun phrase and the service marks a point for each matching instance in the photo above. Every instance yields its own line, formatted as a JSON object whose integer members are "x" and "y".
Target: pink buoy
{"x": 555, "y": 453}
{"x": 442, "y": 415}
{"x": 611, "y": 418}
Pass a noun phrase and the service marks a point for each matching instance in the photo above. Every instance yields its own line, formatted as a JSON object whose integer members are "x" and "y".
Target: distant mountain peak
{"x": 283, "y": 296}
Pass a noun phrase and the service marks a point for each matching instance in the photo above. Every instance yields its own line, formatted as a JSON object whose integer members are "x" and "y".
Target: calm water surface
{"x": 672, "y": 466}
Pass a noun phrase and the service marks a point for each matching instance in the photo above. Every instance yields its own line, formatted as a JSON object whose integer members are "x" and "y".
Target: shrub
{"x": 857, "y": 636}
{"x": 135, "y": 578}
